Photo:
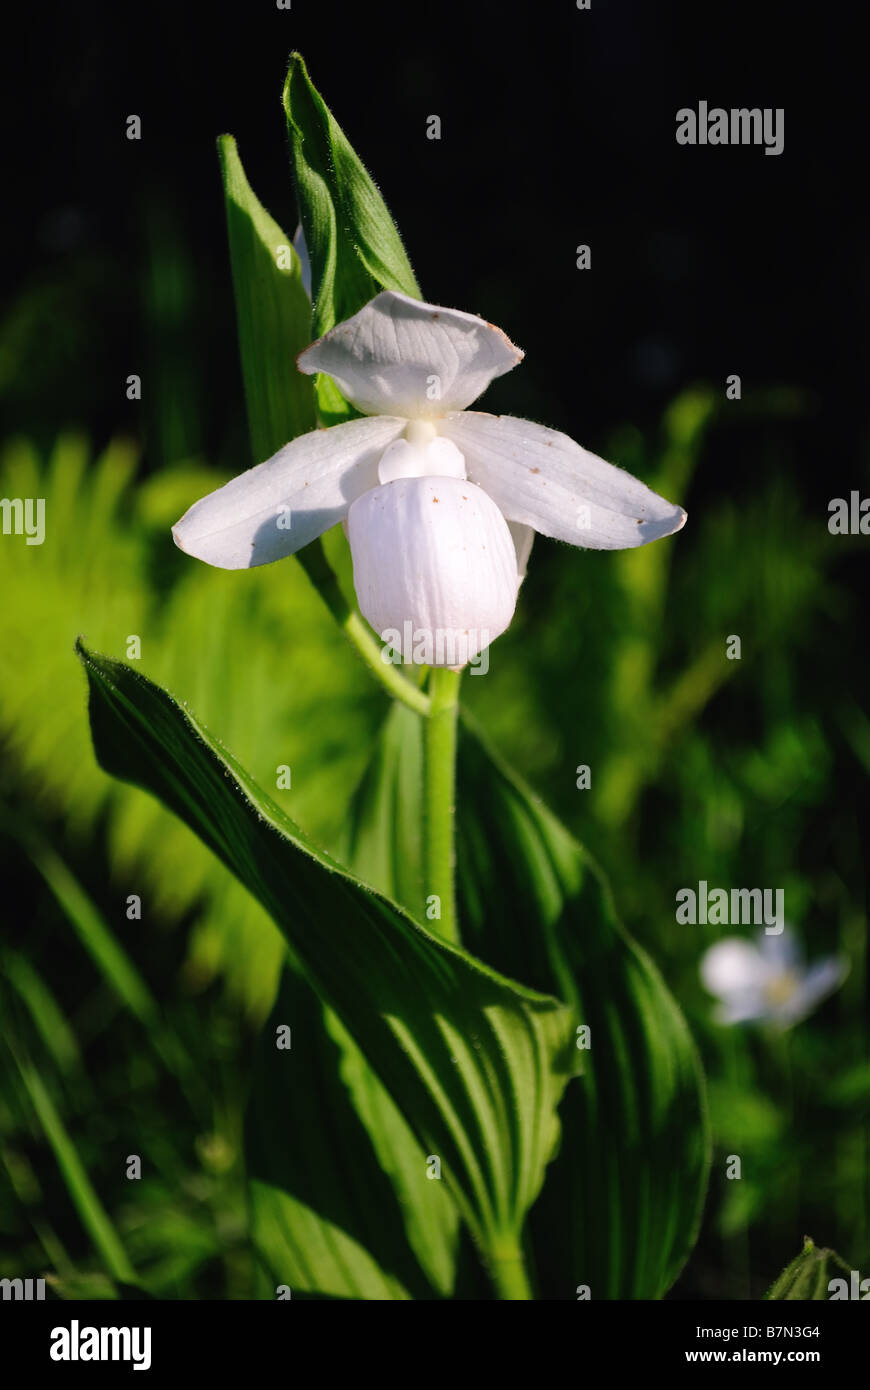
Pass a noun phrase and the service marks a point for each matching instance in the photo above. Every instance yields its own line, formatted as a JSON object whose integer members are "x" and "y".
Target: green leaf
{"x": 375, "y": 1137}
{"x": 325, "y": 1216}
{"x": 622, "y": 1201}
{"x": 383, "y": 838}
{"x": 273, "y": 314}
{"x": 622, "y": 1204}
{"x": 475, "y": 1062}
{"x": 353, "y": 244}
{"x": 809, "y": 1275}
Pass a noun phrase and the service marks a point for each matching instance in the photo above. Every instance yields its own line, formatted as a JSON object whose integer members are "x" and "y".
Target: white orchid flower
{"x": 441, "y": 503}
{"x": 767, "y": 982}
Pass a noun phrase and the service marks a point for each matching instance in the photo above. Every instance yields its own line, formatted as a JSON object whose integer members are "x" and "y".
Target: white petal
{"x": 402, "y": 460}
{"x": 282, "y": 504}
{"x": 436, "y": 459}
{"x": 819, "y": 981}
{"x": 398, "y": 356}
{"x": 543, "y": 479}
{"x": 523, "y": 537}
{"x": 780, "y": 950}
{"x": 743, "y": 1006}
{"x": 732, "y": 966}
{"x": 444, "y": 460}
{"x": 434, "y": 568}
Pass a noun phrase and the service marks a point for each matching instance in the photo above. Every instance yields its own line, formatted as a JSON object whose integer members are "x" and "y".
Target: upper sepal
{"x": 398, "y": 356}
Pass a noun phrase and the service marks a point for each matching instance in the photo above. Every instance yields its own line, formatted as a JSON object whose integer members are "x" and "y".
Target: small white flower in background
{"x": 767, "y": 982}
{"x": 441, "y": 503}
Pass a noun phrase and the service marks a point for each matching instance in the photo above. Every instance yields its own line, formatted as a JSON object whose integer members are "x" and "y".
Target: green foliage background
{"x": 124, "y": 1035}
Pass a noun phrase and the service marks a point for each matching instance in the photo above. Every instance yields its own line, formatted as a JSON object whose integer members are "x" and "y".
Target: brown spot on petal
{"x": 436, "y": 316}
{"x": 436, "y": 499}
{"x": 534, "y": 470}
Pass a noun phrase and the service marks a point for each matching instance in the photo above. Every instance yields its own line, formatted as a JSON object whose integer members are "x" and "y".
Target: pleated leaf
{"x": 273, "y": 314}
{"x": 353, "y": 244}
{"x": 475, "y": 1063}
{"x": 622, "y": 1201}
{"x": 383, "y": 836}
{"x": 330, "y": 1206}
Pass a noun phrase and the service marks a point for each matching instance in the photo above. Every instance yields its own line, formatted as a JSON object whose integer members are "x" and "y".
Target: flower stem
{"x": 320, "y": 572}
{"x": 396, "y": 684}
{"x": 440, "y": 792}
{"x": 509, "y": 1276}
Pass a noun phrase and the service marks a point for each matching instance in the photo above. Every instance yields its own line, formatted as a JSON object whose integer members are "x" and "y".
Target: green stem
{"x": 509, "y": 1276}
{"x": 389, "y": 675}
{"x": 440, "y": 795}
{"x": 320, "y": 572}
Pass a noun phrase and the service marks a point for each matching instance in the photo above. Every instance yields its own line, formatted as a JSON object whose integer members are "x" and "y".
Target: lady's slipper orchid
{"x": 441, "y": 503}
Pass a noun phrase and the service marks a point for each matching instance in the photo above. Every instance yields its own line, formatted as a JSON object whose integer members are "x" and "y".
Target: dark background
{"x": 557, "y": 129}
